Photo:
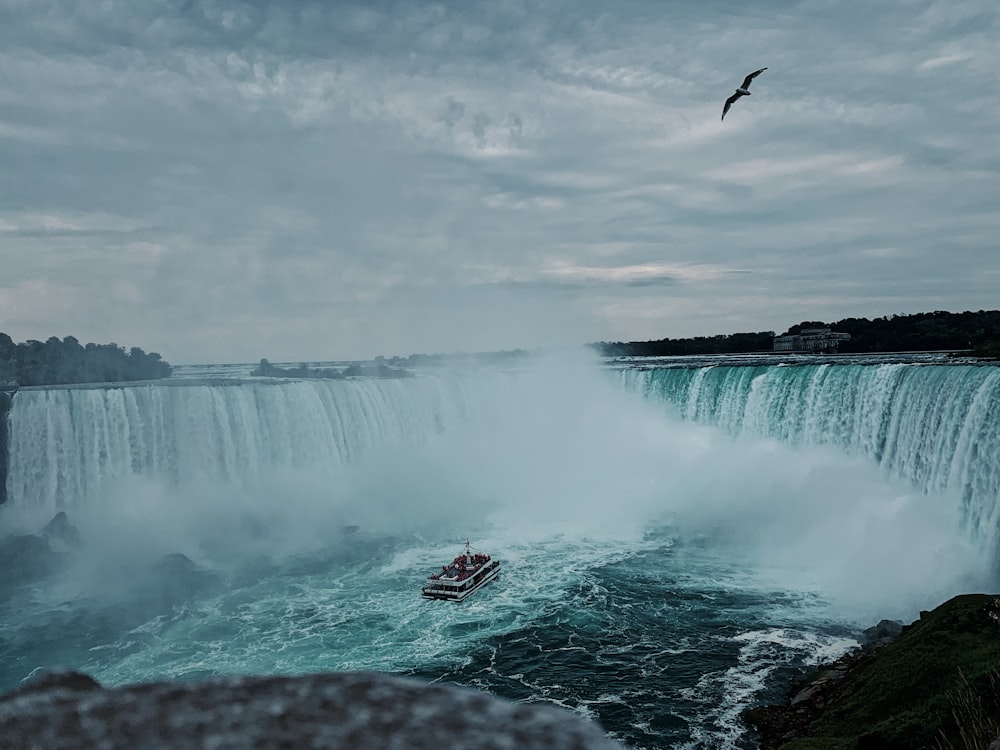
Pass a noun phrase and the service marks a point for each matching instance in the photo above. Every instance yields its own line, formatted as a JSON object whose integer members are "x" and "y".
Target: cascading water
{"x": 657, "y": 572}
{"x": 66, "y": 442}
{"x": 936, "y": 426}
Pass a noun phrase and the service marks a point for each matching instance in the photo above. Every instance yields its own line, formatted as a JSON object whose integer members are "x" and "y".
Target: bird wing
{"x": 729, "y": 103}
{"x": 746, "y": 81}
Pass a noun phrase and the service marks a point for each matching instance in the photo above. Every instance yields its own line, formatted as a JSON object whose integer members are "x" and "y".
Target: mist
{"x": 556, "y": 450}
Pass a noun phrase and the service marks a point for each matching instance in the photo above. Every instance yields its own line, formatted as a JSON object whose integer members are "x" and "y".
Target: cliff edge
{"x": 935, "y": 686}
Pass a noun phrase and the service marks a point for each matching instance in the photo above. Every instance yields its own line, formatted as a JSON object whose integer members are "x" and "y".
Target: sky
{"x": 221, "y": 181}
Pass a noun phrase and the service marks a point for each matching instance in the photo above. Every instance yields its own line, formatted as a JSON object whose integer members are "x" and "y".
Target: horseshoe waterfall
{"x": 675, "y": 539}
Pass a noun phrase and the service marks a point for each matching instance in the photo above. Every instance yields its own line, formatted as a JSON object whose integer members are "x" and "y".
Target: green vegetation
{"x": 933, "y": 331}
{"x": 499, "y": 358}
{"x": 977, "y": 715}
{"x": 735, "y": 343}
{"x": 266, "y": 370}
{"x": 377, "y": 370}
{"x": 905, "y": 696}
{"x": 989, "y": 350}
{"x": 56, "y": 362}
{"x": 936, "y": 685}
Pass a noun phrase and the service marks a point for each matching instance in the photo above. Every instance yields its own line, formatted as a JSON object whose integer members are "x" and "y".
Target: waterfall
{"x": 934, "y": 426}
{"x": 5, "y": 404}
{"x": 65, "y": 442}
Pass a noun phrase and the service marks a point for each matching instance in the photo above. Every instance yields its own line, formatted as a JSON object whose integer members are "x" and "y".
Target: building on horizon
{"x": 814, "y": 340}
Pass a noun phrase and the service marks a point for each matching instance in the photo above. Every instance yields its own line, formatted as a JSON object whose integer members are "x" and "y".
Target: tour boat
{"x": 467, "y": 573}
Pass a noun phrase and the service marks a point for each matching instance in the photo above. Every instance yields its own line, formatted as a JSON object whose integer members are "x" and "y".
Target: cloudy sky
{"x": 222, "y": 181}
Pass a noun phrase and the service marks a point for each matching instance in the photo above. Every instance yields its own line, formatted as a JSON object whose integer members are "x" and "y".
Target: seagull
{"x": 743, "y": 90}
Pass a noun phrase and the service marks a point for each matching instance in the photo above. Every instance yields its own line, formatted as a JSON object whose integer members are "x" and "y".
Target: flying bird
{"x": 743, "y": 90}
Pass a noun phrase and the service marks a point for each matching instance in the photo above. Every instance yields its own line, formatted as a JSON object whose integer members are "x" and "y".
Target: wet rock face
{"x": 340, "y": 710}
{"x": 882, "y": 634}
{"x": 60, "y": 528}
{"x": 25, "y": 558}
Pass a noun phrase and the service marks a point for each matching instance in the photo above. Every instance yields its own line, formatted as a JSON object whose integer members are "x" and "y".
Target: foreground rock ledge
{"x": 339, "y": 710}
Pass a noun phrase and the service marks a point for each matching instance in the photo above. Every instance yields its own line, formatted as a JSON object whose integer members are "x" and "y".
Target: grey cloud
{"x": 654, "y": 281}
{"x": 479, "y": 125}
{"x": 389, "y": 175}
{"x": 588, "y": 283}
{"x": 453, "y": 112}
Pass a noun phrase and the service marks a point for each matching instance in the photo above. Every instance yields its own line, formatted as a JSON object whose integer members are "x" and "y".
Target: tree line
{"x": 734, "y": 343}
{"x": 977, "y": 332}
{"x": 378, "y": 370}
{"x": 60, "y": 362}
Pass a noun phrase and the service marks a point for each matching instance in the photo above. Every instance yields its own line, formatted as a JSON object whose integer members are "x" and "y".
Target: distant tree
{"x": 266, "y": 369}
{"x": 805, "y": 325}
{"x": 61, "y": 362}
{"x": 937, "y": 330}
{"x": 989, "y": 350}
{"x": 72, "y": 359}
{"x": 262, "y": 370}
{"x": 7, "y": 352}
{"x": 736, "y": 343}
{"x": 30, "y": 363}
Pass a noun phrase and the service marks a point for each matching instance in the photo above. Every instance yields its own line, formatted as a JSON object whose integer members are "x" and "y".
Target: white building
{"x": 821, "y": 340}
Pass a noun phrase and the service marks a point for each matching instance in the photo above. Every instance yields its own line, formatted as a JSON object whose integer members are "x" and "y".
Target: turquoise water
{"x": 670, "y": 556}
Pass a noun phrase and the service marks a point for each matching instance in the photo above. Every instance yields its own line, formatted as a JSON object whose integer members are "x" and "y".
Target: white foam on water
{"x": 726, "y": 695}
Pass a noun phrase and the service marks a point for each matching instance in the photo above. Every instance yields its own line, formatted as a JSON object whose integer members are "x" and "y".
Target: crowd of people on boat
{"x": 465, "y": 574}
{"x": 463, "y": 566}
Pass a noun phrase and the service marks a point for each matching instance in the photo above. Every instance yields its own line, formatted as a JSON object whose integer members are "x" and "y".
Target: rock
{"x": 60, "y": 528}
{"x": 59, "y": 680}
{"x": 812, "y": 691}
{"x": 338, "y": 710}
{"x": 879, "y": 635}
{"x": 29, "y": 557}
{"x": 176, "y": 563}
{"x": 25, "y": 558}
{"x": 171, "y": 580}
{"x": 777, "y": 725}
{"x": 908, "y": 693}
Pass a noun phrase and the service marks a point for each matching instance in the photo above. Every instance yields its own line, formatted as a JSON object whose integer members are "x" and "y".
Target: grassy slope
{"x": 906, "y": 696}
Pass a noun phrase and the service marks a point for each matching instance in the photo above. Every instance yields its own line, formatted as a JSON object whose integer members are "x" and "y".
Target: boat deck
{"x": 466, "y": 574}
